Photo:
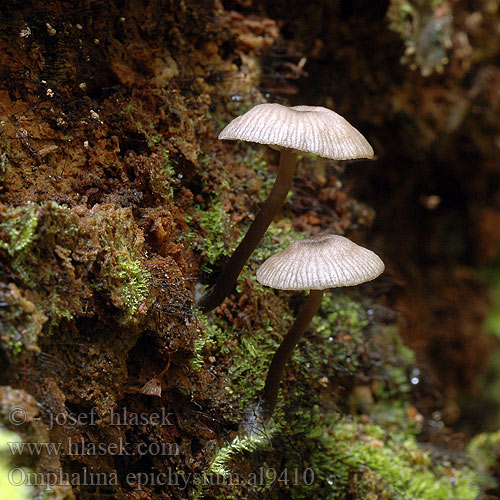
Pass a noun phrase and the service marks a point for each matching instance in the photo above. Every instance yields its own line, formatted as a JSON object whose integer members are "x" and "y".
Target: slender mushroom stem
{"x": 233, "y": 267}
{"x": 285, "y": 351}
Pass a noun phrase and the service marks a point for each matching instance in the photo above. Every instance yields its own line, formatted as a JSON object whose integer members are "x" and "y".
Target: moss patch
{"x": 66, "y": 259}
{"x": 322, "y": 453}
{"x": 7, "y": 488}
{"x": 21, "y": 321}
{"x": 370, "y": 462}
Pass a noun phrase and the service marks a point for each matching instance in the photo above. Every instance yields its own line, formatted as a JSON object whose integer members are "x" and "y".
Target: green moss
{"x": 17, "y": 228}
{"x": 25, "y": 233}
{"x": 248, "y": 351}
{"x": 351, "y": 458}
{"x": 336, "y": 342}
{"x": 146, "y": 130}
{"x": 15, "y": 346}
{"x": 161, "y": 176}
{"x": 485, "y": 450}
{"x": 54, "y": 252}
{"x": 491, "y": 276}
{"x": 219, "y": 237}
{"x": 373, "y": 457}
{"x": 134, "y": 288}
{"x": 32, "y": 238}
{"x": 260, "y": 168}
{"x": 342, "y": 350}
{"x": 219, "y": 465}
{"x": 215, "y": 224}
{"x": 398, "y": 362}
{"x": 348, "y": 458}
{"x": 7, "y": 489}
{"x": 407, "y": 471}
{"x": 340, "y": 323}
{"x": 168, "y": 172}
{"x": 219, "y": 243}
{"x": 4, "y": 164}
{"x": 242, "y": 355}
{"x": 210, "y": 336}
{"x": 120, "y": 271}
{"x": 21, "y": 321}
{"x": 251, "y": 357}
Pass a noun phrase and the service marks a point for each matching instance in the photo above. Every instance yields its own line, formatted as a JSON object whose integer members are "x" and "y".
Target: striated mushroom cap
{"x": 320, "y": 262}
{"x": 310, "y": 129}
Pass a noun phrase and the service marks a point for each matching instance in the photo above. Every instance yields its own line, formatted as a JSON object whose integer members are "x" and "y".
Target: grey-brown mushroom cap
{"x": 309, "y": 129}
{"x": 320, "y": 262}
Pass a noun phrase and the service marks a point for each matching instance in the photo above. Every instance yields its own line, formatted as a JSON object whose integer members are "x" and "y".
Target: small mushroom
{"x": 315, "y": 264}
{"x": 300, "y": 129}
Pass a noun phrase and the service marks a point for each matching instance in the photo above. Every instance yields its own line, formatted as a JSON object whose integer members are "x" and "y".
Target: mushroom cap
{"x": 320, "y": 262}
{"x": 309, "y": 129}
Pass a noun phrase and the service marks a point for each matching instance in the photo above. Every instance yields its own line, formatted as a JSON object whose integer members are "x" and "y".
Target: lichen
{"x": 426, "y": 29}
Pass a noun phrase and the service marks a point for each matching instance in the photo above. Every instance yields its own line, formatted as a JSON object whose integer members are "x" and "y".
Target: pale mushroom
{"x": 315, "y": 264}
{"x": 300, "y": 129}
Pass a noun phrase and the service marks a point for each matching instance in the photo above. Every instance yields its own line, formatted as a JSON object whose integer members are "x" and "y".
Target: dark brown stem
{"x": 233, "y": 267}
{"x": 285, "y": 351}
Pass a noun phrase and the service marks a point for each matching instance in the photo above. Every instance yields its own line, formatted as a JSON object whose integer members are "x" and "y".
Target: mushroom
{"x": 315, "y": 263}
{"x": 306, "y": 129}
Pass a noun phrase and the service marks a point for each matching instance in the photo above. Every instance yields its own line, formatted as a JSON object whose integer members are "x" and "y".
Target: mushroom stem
{"x": 285, "y": 351}
{"x": 233, "y": 267}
